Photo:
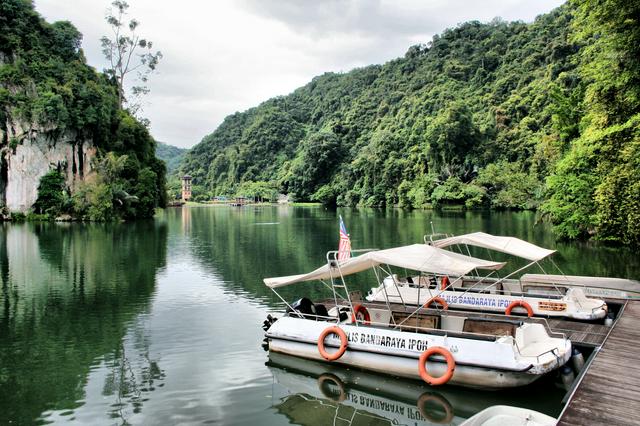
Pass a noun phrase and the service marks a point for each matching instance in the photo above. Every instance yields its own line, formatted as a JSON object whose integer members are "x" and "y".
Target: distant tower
{"x": 186, "y": 188}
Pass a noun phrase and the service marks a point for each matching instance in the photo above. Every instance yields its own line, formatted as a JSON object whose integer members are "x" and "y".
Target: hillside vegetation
{"x": 47, "y": 88}
{"x": 502, "y": 115}
{"x": 171, "y": 155}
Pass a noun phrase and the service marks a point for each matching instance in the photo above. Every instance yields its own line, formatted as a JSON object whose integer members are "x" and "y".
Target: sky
{"x": 223, "y": 56}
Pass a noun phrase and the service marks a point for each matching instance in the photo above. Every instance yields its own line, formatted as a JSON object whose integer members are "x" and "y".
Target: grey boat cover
{"x": 509, "y": 245}
{"x": 417, "y": 257}
{"x": 620, "y": 284}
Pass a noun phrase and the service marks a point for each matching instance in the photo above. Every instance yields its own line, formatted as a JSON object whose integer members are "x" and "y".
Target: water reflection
{"x": 67, "y": 302}
{"x": 302, "y": 386}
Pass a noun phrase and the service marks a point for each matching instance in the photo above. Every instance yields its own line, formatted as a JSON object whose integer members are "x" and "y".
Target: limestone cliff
{"x": 31, "y": 154}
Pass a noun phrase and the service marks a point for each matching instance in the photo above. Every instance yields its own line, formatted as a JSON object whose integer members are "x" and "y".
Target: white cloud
{"x": 225, "y": 56}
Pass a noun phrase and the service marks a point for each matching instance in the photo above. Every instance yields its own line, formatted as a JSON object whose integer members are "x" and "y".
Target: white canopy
{"x": 417, "y": 257}
{"x": 509, "y": 245}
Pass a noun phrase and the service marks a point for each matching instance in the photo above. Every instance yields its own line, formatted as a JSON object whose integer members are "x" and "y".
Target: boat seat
{"x": 495, "y": 328}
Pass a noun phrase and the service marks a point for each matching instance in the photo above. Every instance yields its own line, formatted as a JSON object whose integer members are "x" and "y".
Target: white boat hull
{"x": 479, "y": 363}
{"x": 574, "y": 304}
{"x": 499, "y": 415}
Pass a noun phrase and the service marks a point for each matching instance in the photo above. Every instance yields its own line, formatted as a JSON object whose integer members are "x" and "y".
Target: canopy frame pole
{"x": 288, "y": 305}
{"x": 346, "y": 290}
{"x": 491, "y": 259}
{"x": 386, "y": 296}
{"x": 563, "y": 274}
{"x": 389, "y": 272}
{"x": 466, "y": 246}
{"x": 556, "y": 287}
{"x": 480, "y": 281}
{"x": 507, "y": 276}
{"x": 332, "y": 289}
{"x": 421, "y": 307}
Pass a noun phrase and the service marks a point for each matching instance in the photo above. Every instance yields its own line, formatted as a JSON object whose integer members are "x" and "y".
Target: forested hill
{"x": 171, "y": 155}
{"x": 62, "y": 132}
{"x": 507, "y": 115}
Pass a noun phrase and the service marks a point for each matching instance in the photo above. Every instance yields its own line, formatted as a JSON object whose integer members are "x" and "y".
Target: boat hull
{"x": 408, "y": 368}
{"x": 479, "y": 363}
{"x": 579, "y": 308}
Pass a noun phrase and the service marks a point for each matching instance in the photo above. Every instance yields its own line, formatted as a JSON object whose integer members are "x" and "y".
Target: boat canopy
{"x": 509, "y": 245}
{"x": 417, "y": 257}
{"x": 619, "y": 284}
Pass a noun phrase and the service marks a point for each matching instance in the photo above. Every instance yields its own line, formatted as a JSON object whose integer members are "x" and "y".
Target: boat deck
{"x": 580, "y": 333}
{"x": 609, "y": 391}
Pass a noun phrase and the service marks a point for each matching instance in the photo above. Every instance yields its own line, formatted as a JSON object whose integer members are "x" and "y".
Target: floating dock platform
{"x": 608, "y": 392}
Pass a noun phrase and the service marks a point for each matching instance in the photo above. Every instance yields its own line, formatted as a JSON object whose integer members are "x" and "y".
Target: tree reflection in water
{"x": 69, "y": 295}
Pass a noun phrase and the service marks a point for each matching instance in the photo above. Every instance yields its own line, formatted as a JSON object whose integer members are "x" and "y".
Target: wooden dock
{"x": 580, "y": 333}
{"x": 609, "y": 391}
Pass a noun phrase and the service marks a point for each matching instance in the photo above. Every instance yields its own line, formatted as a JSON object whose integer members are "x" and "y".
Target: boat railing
{"x": 479, "y": 336}
{"x": 437, "y": 331}
{"x": 436, "y": 236}
{"x": 332, "y": 255}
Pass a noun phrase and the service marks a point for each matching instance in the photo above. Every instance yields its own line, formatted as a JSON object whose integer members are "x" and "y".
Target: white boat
{"x": 600, "y": 287}
{"x": 500, "y": 415}
{"x": 491, "y": 294}
{"x": 462, "y": 348}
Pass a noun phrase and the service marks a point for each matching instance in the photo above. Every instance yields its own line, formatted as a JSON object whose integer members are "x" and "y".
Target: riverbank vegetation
{"x": 47, "y": 87}
{"x": 500, "y": 115}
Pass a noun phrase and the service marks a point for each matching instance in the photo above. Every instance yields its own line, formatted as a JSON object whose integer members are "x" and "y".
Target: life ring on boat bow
{"x": 438, "y": 300}
{"x": 422, "y": 367}
{"x": 517, "y": 303}
{"x": 361, "y": 313}
{"x": 343, "y": 343}
{"x": 444, "y": 282}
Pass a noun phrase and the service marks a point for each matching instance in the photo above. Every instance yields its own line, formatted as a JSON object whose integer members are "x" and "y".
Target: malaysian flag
{"x": 344, "y": 247}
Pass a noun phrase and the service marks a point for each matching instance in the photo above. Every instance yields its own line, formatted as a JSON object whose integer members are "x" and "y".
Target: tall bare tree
{"x": 127, "y": 52}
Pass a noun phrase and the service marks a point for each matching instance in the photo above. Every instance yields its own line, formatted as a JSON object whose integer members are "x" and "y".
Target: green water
{"x": 160, "y": 322}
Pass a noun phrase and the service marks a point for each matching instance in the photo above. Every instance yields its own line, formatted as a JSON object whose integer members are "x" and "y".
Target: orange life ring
{"x": 343, "y": 343}
{"x": 444, "y": 282}
{"x": 440, "y": 400}
{"x": 422, "y": 368}
{"x": 439, "y": 300}
{"x": 517, "y": 303}
{"x": 361, "y": 309}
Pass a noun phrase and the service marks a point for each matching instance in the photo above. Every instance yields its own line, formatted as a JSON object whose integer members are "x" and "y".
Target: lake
{"x": 159, "y": 322}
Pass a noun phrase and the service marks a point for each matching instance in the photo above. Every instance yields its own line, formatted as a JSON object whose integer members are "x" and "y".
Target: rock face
{"x": 23, "y": 163}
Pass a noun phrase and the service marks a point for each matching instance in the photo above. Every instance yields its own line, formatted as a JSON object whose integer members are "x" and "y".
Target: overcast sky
{"x": 223, "y": 56}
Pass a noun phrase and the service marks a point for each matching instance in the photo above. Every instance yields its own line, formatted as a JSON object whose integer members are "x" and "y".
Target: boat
{"x": 493, "y": 294}
{"x": 469, "y": 349}
{"x": 499, "y": 415}
{"x": 612, "y": 289}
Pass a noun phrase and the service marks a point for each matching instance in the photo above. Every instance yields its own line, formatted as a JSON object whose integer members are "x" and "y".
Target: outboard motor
{"x": 266, "y": 325}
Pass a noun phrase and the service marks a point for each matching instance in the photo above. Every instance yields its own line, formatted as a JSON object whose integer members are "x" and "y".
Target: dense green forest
{"x": 502, "y": 115}
{"x": 171, "y": 155}
{"x": 46, "y": 83}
